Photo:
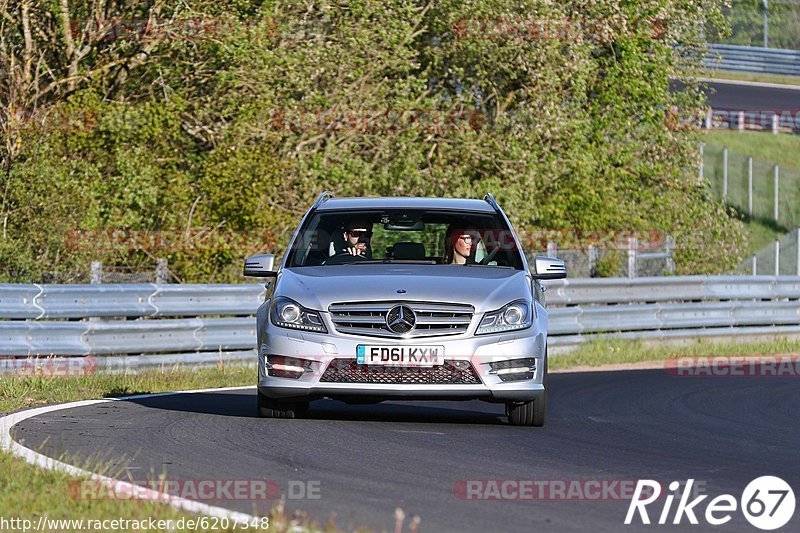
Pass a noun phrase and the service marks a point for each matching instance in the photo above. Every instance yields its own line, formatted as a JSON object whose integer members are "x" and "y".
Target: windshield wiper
{"x": 493, "y": 266}
{"x": 392, "y": 261}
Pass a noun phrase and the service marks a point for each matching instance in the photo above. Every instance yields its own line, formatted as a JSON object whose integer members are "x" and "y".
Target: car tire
{"x": 532, "y": 413}
{"x": 269, "y": 408}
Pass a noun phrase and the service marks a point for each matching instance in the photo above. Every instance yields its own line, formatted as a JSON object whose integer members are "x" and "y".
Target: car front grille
{"x": 431, "y": 319}
{"x": 449, "y": 373}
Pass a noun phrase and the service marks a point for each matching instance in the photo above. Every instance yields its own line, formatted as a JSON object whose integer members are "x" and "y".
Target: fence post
{"x": 669, "y": 247}
{"x": 97, "y": 273}
{"x": 777, "y": 257}
{"x": 797, "y": 243}
{"x": 632, "y": 246}
{"x": 162, "y": 271}
{"x": 740, "y": 118}
{"x": 750, "y": 186}
{"x": 709, "y": 119}
{"x": 775, "y": 123}
{"x": 592, "y": 260}
{"x": 552, "y": 249}
{"x": 777, "y": 181}
{"x": 724, "y": 174}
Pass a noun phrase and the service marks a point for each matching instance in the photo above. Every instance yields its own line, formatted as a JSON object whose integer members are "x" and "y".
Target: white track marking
{"x": 123, "y": 487}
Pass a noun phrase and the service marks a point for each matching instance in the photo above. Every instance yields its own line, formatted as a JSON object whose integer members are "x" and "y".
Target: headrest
{"x": 409, "y": 250}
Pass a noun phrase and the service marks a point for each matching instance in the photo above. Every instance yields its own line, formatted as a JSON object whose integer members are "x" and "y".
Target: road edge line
{"x": 7, "y": 443}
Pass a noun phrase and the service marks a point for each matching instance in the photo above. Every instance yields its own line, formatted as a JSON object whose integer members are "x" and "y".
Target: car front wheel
{"x": 269, "y": 408}
{"x": 532, "y": 413}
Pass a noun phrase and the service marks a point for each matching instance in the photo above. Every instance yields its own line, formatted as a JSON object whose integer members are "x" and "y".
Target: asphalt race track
{"x": 753, "y": 98}
{"x": 370, "y": 459}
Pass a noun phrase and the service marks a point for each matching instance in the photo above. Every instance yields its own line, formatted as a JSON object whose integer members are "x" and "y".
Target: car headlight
{"x": 516, "y": 315}
{"x": 286, "y": 313}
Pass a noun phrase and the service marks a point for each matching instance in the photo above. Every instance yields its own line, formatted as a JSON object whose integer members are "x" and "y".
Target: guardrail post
{"x": 777, "y": 257}
{"x": 740, "y": 118}
{"x": 709, "y": 119}
{"x": 162, "y": 271}
{"x": 777, "y": 182}
{"x": 633, "y": 244}
{"x": 750, "y": 186}
{"x": 97, "y": 273}
{"x": 669, "y": 247}
{"x": 755, "y": 265}
{"x": 552, "y": 250}
{"x": 724, "y": 174}
{"x": 775, "y": 123}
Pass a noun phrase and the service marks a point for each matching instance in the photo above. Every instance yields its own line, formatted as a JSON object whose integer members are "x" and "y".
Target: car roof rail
{"x": 489, "y": 197}
{"x": 322, "y": 197}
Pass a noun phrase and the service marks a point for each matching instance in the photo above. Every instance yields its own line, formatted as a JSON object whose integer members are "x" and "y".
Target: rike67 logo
{"x": 767, "y": 503}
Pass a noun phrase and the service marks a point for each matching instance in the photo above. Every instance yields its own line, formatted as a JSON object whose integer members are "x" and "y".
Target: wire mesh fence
{"x": 637, "y": 259}
{"x": 758, "y": 189}
{"x": 783, "y": 253}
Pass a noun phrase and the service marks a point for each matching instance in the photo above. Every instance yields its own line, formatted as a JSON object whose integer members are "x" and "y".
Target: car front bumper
{"x": 316, "y": 352}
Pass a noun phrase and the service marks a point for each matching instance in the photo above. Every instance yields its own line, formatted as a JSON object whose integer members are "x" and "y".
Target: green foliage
{"x": 610, "y": 264}
{"x": 231, "y": 136}
{"x": 746, "y": 19}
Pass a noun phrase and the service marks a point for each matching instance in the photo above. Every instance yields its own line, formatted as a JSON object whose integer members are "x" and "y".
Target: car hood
{"x": 485, "y": 288}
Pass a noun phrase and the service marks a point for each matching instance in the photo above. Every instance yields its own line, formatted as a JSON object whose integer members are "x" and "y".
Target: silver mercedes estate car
{"x": 403, "y": 299}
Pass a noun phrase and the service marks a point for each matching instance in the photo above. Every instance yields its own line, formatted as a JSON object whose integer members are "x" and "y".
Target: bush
{"x": 568, "y": 124}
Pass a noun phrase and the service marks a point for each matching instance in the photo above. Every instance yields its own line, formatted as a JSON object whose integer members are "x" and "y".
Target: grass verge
{"x": 760, "y": 235}
{"x": 23, "y": 392}
{"x": 783, "y": 149}
{"x": 748, "y": 76}
{"x": 614, "y": 352}
{"x": 29, "y": 492}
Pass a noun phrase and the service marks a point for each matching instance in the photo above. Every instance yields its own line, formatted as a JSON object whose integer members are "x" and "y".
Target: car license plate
{"x": 367, "y": 354}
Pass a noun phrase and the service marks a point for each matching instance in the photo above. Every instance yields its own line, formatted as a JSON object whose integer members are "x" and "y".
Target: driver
{"x": 357, "y": 233}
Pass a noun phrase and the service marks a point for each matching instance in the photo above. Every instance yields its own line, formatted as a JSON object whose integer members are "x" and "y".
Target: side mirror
{"x": 549, "y": 268}
{"x": 260, "y": 266}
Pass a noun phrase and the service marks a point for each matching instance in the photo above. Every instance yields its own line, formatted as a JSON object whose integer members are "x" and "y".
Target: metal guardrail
{"x": 126, "y": 336}
{"x": 145, "y": 300}
{"x": 672, "y": 308}
{"x": 603, "y": 291}
{"x": 753, "y": 59}
{"x": 182, "y": 321}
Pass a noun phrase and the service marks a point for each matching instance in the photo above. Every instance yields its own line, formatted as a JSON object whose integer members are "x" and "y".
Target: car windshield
{"x": 406, "y": 236}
